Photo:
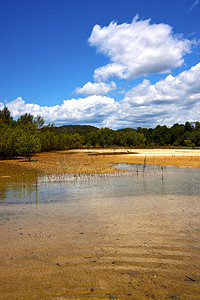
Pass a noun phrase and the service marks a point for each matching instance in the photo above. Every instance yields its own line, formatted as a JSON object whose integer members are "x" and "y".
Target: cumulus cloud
{"x": 175, "y": 99}
{"x": 171, "y": 89}
{"x": 138, "y": 49}
{"x": 95, "y": 88}
{"x": 93, "y": 109}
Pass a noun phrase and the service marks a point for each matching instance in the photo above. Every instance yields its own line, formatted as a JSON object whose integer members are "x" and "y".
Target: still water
{"x": 128, "y": 234}
{"x": 140, "y": 181}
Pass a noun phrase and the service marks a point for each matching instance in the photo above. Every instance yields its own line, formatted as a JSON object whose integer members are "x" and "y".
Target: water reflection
{"x": 16, "y": 182}
{"x": 151, "y": 180}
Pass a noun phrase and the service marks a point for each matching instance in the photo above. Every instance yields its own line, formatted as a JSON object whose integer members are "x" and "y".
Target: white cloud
{"x": 92, "y": 109}
{"x": 95, "y": 88}
{"x": 172, "y": 89}
{"x": 138, "y": 49}
{"x": 176, "y": 99}
{"x": 172, "y": 100}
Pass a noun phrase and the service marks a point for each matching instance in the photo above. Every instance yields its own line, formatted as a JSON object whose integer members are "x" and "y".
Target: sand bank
{"x": 103, "y": 160}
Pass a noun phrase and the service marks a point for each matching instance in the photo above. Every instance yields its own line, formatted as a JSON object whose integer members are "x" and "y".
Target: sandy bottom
{"x": 100, "y": 250}
{"x": 135, "y": 248}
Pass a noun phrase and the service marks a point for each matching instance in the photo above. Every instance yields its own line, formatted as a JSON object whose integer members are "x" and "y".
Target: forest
{"x": 28, "y": 135}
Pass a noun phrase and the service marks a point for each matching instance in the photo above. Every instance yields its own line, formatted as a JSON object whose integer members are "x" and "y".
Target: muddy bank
{"x": 102, "y": 161}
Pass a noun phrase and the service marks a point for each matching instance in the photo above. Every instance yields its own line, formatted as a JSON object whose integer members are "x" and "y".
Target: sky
{"x": 106, "y": 63}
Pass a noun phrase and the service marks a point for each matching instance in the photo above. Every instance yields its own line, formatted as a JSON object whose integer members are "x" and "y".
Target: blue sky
{"x": 104, "y": 63}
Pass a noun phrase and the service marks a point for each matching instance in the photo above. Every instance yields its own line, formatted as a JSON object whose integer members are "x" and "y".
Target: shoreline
{"x": 127, "y": 247}
{"x": 93, "y": 161}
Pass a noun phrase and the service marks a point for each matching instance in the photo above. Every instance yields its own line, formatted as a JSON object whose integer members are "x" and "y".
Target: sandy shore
{"x": 103, "y": 160}
{"x": 136, "y": 247}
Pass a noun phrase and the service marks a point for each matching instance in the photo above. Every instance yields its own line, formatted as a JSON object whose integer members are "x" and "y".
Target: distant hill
{"x": 124, "y": 130}
{"x": 80, "y": 129}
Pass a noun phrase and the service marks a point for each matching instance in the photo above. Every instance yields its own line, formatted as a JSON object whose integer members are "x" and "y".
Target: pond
{"x": 140, "y": 181}
{"x": 125, "y": 235}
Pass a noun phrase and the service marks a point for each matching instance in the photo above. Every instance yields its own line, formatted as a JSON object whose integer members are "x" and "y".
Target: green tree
{"x": 5, "y": 116}
{"x": 8, "y": 142}
{"x": 161, "y": 136}
{"x": 75, "y": 141}
{"x": 177, "y": 135}
{"x": 26, "y": 118}
{"x": 28, "y": 144}
{"x": 48, "y": 140}
{"x": 39, "y": 121}
{"x": 188, "y": 126}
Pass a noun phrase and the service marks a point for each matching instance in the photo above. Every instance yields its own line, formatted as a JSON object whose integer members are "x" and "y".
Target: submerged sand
{"x": 138, "y": 248}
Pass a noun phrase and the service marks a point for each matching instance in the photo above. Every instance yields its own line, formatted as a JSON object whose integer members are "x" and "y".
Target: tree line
{"x": 28, "y": 135}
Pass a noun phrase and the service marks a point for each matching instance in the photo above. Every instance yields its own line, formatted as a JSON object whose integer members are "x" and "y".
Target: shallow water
{"x": 141, "y": 181}
{"x": 110, "y": 236}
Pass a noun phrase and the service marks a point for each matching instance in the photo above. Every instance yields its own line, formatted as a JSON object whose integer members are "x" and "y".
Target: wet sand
{"x": 102, "y": 160}
{"x": 142, "y": 249}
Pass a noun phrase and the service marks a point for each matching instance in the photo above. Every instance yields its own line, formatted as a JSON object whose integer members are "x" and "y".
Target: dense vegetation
{"x": 81, "y": 129}
{"x": 28, "y": 135}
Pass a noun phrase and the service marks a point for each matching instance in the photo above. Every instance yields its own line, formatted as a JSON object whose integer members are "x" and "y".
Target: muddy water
{"x": 125, "y": 236}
